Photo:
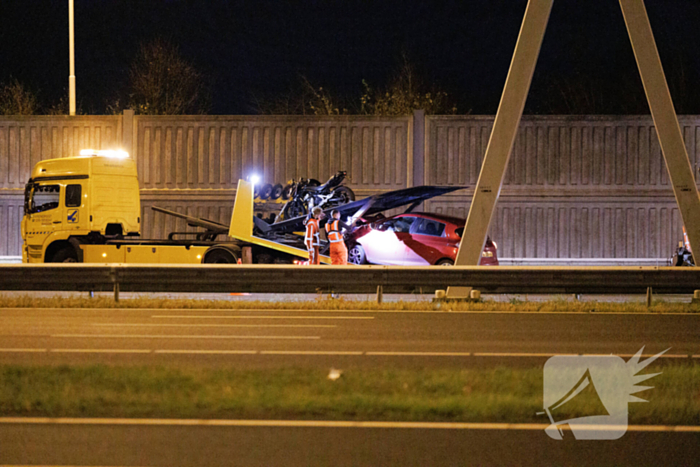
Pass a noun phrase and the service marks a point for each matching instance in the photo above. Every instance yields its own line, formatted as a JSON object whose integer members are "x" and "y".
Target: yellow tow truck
{"x": 87, "y": 209}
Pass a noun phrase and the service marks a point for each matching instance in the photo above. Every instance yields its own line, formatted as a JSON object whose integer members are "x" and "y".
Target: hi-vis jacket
{"x": 333, "y": 231}
{"x": 312, "y": 233}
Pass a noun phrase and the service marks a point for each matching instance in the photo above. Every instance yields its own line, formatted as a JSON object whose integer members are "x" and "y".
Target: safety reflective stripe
{"x": 333, "y": 231}
{"x": 312, "y": 230}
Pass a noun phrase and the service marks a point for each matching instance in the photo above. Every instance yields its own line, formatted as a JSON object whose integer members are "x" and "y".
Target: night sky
{"x": 256, "y": 49}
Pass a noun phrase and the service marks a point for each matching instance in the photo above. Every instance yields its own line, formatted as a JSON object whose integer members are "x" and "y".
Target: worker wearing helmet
{"x": 311, "y": 239}
{"x": 334, "y": 232}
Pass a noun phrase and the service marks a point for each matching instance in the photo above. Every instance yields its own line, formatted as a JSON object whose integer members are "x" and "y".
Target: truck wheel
{"x": 276, "y": 191}
{"x": 265, "y": 191}
{"x": 220, "y": 256}
{"x": 65, "y": 255}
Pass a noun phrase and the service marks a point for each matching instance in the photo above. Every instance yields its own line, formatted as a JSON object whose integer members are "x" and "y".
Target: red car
{"x": 412, "y": 239}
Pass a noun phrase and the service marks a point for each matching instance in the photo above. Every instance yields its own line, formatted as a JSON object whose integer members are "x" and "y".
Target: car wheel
{"x": 445, "y": 262}
{"x": 356, "y": 255}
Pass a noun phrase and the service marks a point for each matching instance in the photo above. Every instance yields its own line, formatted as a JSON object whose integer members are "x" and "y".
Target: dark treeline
{"x": 252, "y": 53}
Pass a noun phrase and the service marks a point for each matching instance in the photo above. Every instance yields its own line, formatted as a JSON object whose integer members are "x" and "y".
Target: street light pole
{"x": 71, "y": 54}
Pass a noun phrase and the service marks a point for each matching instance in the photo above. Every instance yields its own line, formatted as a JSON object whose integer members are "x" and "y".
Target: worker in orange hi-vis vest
{"x": 334, "y": 232}
{"x": 312, "y": 239}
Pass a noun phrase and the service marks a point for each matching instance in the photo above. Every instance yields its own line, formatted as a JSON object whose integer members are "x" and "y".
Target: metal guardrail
{"x": 585, "y": 262}
{"x": 522, "y": 261}
{"x": 345, "y": 279}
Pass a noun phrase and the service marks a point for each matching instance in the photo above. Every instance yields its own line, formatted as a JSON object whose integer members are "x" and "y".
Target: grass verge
{"x": 324, "y": 303}
{"x": 469, "y": 395}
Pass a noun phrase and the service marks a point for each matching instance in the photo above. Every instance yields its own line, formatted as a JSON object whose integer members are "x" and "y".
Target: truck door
{"x": 73, "y": 201}
{"x": 45, "y": 203}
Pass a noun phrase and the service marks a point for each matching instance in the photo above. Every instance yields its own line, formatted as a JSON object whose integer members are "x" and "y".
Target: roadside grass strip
{"x": 500, "y": 395}
{"x": 324, "y": 303}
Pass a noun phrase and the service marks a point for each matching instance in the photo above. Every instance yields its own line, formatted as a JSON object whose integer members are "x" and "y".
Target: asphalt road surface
{"x": 257, "y": 338}
{"x": 172, "y": 445}
{"x": 264, "y": 337}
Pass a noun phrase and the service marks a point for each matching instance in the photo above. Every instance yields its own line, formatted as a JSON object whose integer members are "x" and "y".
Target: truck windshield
{"x": 38, "y": 198}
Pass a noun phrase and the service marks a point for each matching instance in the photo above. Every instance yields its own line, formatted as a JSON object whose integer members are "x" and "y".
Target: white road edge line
{"x": 259, "y": 317}
{"x": 182, "y": 325}
{"x": 100, "y": 350}
{"x": 335, "y": 424}
{"x": 519, "y": 354}
{"x": 204, "y": 352}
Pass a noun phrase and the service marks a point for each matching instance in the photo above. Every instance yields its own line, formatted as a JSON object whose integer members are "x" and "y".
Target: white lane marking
{"x": 519, "y": 354}
{"x": 170, "y": 336}
{"x": 384, "y": 311}
{"x": 260, "y": 317}
{"x": 422, "y": 354}
{"x": 670, "y": 355}
{"x": 308, "y": 352}
{"x": 204, "y": 352}
{"x": 24, "y": 350}
{"x": 436, "y": 311}
{"x": 335, "y": 424}
{"x": 100, "y": 350}
{"x": 218, "y": 325}
{"x": 535, "y": 354}
{"x": 53, "y": 465}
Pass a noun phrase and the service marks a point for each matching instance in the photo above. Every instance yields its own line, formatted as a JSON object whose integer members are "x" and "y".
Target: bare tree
{"x": 163, "y": 83}
{"x": 61, "y": 106}
{"x": 406, "y": 93}
{"x": 303, "y": 99}
{"x": 16, "y": 99}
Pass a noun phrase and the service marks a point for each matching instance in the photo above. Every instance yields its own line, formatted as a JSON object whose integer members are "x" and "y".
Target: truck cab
{"x": 72, "y": 201}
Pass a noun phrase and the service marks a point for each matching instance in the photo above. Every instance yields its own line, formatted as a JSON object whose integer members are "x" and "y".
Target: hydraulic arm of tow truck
{"x": 242, "y": 223}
